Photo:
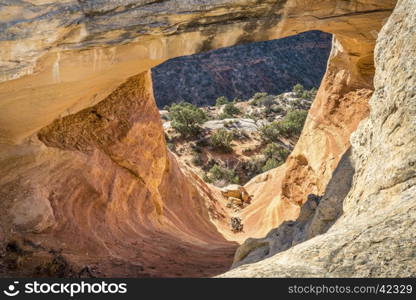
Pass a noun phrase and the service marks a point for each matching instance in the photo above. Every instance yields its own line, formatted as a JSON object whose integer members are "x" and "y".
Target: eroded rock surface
{"x": 376, "y": 234}
{"x": 119, "y": 203}
{"x": 316, "y": 216}
{"x": 98, "y": 191}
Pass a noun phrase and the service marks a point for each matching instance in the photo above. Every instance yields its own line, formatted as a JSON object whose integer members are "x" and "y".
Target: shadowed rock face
{"x": 99, "y": 188}
{"x": 376, "y": 234}
{"x": 49, "y": 48}
{"x": 107, "y": 194}
{"x": 316, "y": 216}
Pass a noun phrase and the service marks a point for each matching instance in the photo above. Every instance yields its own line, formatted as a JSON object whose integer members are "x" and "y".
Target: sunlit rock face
{"x": 100, "y": 186}
{"x": 375, "y": 234}
{"x": 82, "y": 140}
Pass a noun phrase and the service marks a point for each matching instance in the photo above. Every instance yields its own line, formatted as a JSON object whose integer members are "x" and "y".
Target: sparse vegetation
{"x": 221, "y": 140}
{"x": 231, "y": 110}
{"x": 257, "y": 98}
{"x": 293, "y": 122}
{"x": 290, "y": 126}
{"x": 302, "y": 93}
{"x": 197, "y": 159}
{"x": 275, "y": 151}
{"x": 221, "y": 101}
{"x": 236, "y": 152}
{"x": 253, "y": 166}
{"x": 271, "y": 163}
{"x": 298, "y": 89}
{"x": 186, "y": 118}
{"x": 171, "y": 147}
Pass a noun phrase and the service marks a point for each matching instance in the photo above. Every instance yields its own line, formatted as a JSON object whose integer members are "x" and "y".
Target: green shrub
{"x": 221, "y": 101}
{"x": 223, "y": 116}
{"x": 197, "y": 159}
{"x": 271, "y": 132}
{"x": 257, "y": 98}
{"x": 240, "y": 134}
{"x": 291, "y": 125}
{"x": 278, "y": 109}
{"x": 309, "y": 95}
{"x": 231, "y": 109}
{"x": 275, "y": 151}
{"x": 267, "y": 101}
{"x": 298, "y": 89}
{"x": 271, "y": 163}
{"x": 221, "y": 140}
{"x": 186, "y": 118}
{"x": 218, "y": 173}
{"x": 253, "y": 166}
{"x": 254, "y": 116}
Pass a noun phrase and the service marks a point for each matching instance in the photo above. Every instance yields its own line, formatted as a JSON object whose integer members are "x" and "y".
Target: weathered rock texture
{"x": 316, "y": 216}
{"x": 92, "y": 183}
{"x": 376, "y": 234}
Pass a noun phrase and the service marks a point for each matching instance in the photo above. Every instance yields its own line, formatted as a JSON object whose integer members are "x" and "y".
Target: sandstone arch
{"x": 70, "y": 59}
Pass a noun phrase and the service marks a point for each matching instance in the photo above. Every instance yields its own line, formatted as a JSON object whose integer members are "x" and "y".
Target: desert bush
{"x": 309, "y": 95}
{"x": 293, "y": 122}
{"x": 291, "y": 125}
{"x": 271, "y": 132}
{"x": 186, "y": 118}
{"x": 196, "y": 148}
{"x": 231, "y": 109}
{"x": 267, "y": 101}
{"x": 253, "y": 166}
{"x": 221, "y": 101}
{"x": 223, "y": 116}
{"x": 271, "y": 163}
{"x": 240, "y": 134}
{"x": 221, "y": 140}
{"x": 278, "y": 109}
{"x": 171, "y": 147}
{"x": 217, "y": 174}
{"x": 197, "y": 159}
{"x": 278, "y": 152}
{"x": 298, "y": 89}
{"x": 257, "y": 98}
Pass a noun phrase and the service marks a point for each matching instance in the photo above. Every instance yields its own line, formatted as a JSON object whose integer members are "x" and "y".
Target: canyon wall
{"x": 98, "y": 191}
{"x": 375, "y": 233}
{"x": 88, "y": 180}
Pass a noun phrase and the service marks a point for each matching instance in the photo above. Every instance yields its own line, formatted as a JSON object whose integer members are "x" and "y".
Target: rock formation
{"x": 100, "y": 187}
{"x": 375, "y": 234}
{"x": 90, "y": 186}
{"x": 241, "y": 71}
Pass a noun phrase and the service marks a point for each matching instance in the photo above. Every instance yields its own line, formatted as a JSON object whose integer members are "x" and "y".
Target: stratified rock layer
{"x": 375, "y": 236}
{"x": 90, "y": 185}
{"x": 99, "y": 188}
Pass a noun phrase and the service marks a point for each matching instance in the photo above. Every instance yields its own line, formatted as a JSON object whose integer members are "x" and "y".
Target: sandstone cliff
{"x": 376, "y": 232}
{"x": 88, "y": 180}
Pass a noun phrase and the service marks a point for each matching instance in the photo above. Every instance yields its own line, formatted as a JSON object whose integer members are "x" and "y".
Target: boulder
{"x": 231, "y": 191}
{"x": 235, "y": 201}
